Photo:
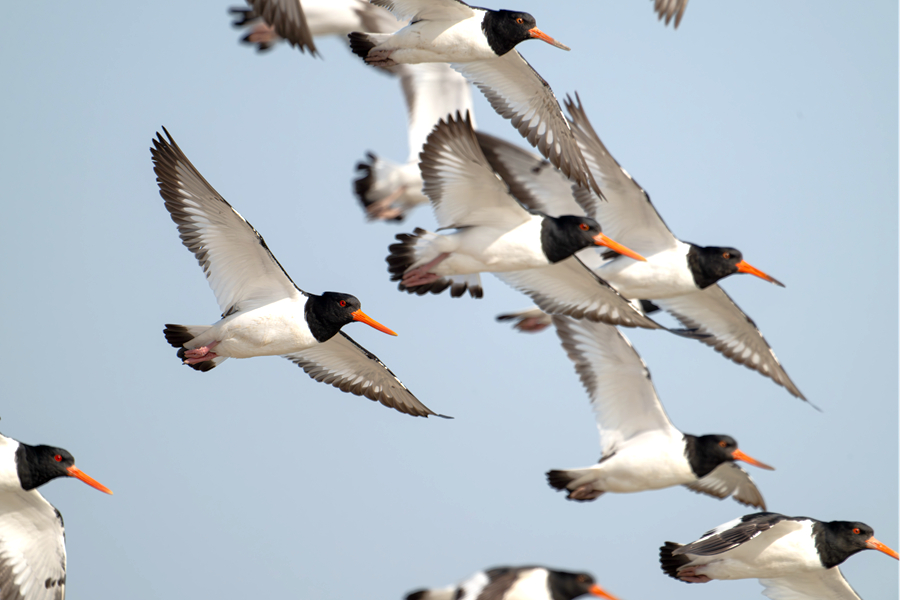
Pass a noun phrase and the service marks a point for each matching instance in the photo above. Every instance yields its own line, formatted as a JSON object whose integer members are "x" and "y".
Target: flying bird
{"x": 642, "y": 449}
{"x": 264, "y": 313}
{"x": 670, "y": 8}
{"x": 484, "y": 229}
{"x": 480, "y": 43}
{"x": 518, "y": 583}
{"x": 794, "y": 558}
{"x": 32, "y": 536}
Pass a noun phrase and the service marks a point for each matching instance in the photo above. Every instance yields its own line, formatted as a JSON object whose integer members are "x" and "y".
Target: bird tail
{"x": 361, "y": 43}
{"x": 179, "y": 335}
{"x": 259, "y": 32}
{"x": 415, "y": 248}
{"x": 569, "y": 480}
{"x": 530, "y": 320}
{"x": 382, "y": 189}
{"x": 669, "y": 562}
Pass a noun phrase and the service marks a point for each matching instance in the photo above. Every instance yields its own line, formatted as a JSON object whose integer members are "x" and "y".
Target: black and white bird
{"x": 484, "y": 229}
{"x": 678, "y": 277}
{"x": 32, "y": 536}
{"x": 264, "y": 313}
{"x": 480, "y": 43}
{"x": 667, "y": 9}
{"x": 518, "y": 583}
{"x": 794, "y": 558}
{"x": 642, "y": 449}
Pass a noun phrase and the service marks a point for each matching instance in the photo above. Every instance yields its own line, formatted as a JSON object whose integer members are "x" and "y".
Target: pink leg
{"x": 532, "y": 324}
{"x": 690, "y": 575}
{"x": 382, "y": 209}
{"x": 200, "y": 354}
{"x": 421, "y": 275}
{"x": 380, "y": 58}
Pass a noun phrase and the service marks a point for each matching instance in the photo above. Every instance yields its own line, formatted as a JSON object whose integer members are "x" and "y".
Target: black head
{"x": 709, "y": 264}
{"x": 564, "y": 585}
{"x": 504, "y": 29}
{"x": 36, "y": 465}
{"x": 837, "y": 541}
{"x": 326, "y": 314}
{"x": 561, "y": 237}
{"x": 706, "y": 452}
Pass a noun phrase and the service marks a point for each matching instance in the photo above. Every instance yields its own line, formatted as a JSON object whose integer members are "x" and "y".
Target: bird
{"x": 491, "y": 232}
{"x": 670, "y": 8}
{"x": 678, "y": 277}
{"x": 32, "y": 535}
{"x": 264, "y": 313}
{"x": 517, "y": 583}
{"x": 794, "y": 558}
{"x": 642, "y": 449}
{"x": 480, "y": 43}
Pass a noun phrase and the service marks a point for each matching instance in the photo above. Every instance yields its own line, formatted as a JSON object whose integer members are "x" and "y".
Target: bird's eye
{"x": 584, "y": 227}
{"x": 58, "y": 458}
{"x": 722, "y": 443}
{"x": 856, "y": 530}
{"x": 343, "y": 303}
{"x": 519, "y": 21}
{"x": 726, "y": 255}
{"x": 581, "y": 579}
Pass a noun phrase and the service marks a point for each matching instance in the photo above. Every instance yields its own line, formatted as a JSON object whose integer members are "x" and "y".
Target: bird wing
{"x": 817, "y": 585}
{"x": 346, "y": 365}
{"x": 616, "y": 379}
{"x": 432, "y": 91}
{"x": 570, "y": 288}
{"x": 240, "y": 268}
{"x": 626, "y": 213}
{"x": 732, "y": 333}
{"x": 424, "y": 10}
{"x": 670, "y": 8}
{"x": 732, "y": 534}
{"x": 32, "y": 549}
{"x": 460, "y": 183}
{"x": 729, "y": 479}
{"x": 287, "y": 17}
{"x": 534, "y": 182}
{"x": 518, "y": 93}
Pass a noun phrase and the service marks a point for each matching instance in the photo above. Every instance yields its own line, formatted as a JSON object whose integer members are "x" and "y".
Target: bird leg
{"x": 196, "y": 355}
{"x": 382, "y": 209}
{"x": 690, "y": 575}
{"x": 380, "y": 58}
{"x": 420, "y": 275}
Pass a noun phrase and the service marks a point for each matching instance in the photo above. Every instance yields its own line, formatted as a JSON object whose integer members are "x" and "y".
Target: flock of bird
{"x": 534, "y": 221}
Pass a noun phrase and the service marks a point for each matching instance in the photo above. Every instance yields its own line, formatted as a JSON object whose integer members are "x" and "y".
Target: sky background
{"x": 771, "y": 128}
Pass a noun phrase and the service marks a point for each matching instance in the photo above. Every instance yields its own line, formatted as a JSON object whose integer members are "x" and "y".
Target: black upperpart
{"x": 836, "y": 541}
{"x": 326, "y": 314}
{"x": 561, "y": 237}
{"x": 36, "y": 465}
{"x": 504, "y": 29}
{"x": 706, "y": 452}
{"x": 564, "y": 585}
{"x": 709, "y": 264}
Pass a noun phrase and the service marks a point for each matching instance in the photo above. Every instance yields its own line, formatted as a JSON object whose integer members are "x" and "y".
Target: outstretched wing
{"x": 728, "y": 479}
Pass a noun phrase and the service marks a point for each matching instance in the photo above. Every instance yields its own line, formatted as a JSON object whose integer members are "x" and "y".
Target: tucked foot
{"x": 380, "y": 58}
{"x": 532, "y": 324}
{"x": 584, "y": 493}
{"x": 195, "y": 355}
{"x": 382, "y": 209}
{"x": 421, "y": 275}
{"x": 690, "y": 575}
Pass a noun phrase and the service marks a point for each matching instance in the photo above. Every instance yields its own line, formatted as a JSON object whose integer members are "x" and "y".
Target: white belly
{"x": 765, "y": 557}
{"x": 439, "y": 41}
{"x": 486, "y": 249}
{"x": 274, "y": 329}
{"x": 663, "y": 275}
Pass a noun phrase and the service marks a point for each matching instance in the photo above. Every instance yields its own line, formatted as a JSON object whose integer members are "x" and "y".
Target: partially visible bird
{"x": 517, "y": 583}
{"x": 32, "y": 536}
{"x": 480, "y": 43}
{"x": 669, "y": 9}
{"x": 794, "y": 558}
{"x": 264, "y": 313}
{"x": 642, "y": 449}
{"x": 491, "y": 232}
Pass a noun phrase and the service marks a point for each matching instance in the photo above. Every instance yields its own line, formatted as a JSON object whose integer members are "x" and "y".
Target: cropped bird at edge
{"x": 480, "y": 43}
{"x": 264, "y": 313}
{"x": 32, "y": 536}
{"x": 642, "y": 449}
{"x": 794, "y": 558}
{"x": 484, "y": 229}
{"x": 678, "y": 277}
{"x": 518, "y": 583}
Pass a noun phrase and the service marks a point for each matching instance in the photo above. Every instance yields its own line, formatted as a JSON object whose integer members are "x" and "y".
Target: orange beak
{"x": 596, "y": 590}
{"x": 602, "y": 240}
{"x": 364, "y": 318}
{"x": 79, "y": 474}
{"x": 876, "y": 545}
{"x": 738, "y": 455}
{"x": 744, "y": 267}
{"x": 540, "y": 35}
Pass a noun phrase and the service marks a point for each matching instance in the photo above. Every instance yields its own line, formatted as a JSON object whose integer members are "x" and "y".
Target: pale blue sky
{"x": 770, "y": 127}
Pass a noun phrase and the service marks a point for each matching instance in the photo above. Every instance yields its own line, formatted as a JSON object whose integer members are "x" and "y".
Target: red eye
{"x": 584, "y": 227}
{"x": 723, "y": 444}
{"x": 519, "y": 20}
{"x": 726, "y": 255}
{"x": 343, "y": 303}
{"x": 58, "y": 458}
{"x": 856, "y": 530}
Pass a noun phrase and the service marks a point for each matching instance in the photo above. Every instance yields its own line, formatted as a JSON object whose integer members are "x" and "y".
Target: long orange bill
{"x": 744, "y": 267}
{"x": 79, "y": 474}
{"x": 876, "y": 545}
{"x": 738, "y": 455}
{"x": 364, "y": 318}
{"x": 540, "y": 35}
{"x": 596, "y": 590}
{"x": 602, "y": 240}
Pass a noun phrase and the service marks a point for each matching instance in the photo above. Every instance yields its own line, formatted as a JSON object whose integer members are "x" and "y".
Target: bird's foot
{"x": 421, "y": 275}
{"x": 532, "y": 324}
{"x": 584, "y": 493}
{"x": 380, "y": 58}
{"x": 383, "y": 209}
{"x": 196, "y": 355}
{"x": 690, "y": 575}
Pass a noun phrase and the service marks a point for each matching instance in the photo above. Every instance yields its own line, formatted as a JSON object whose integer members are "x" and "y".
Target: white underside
{"x": 439, "y": 41}
{"x": 663, "y": 275}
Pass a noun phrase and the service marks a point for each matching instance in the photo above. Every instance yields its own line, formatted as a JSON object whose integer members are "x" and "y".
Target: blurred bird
{"x": 669, "y": 9}
{"x": 794, "y": 558}
{"x": 264, "y": 313}
{"x": 32, "y": 536}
